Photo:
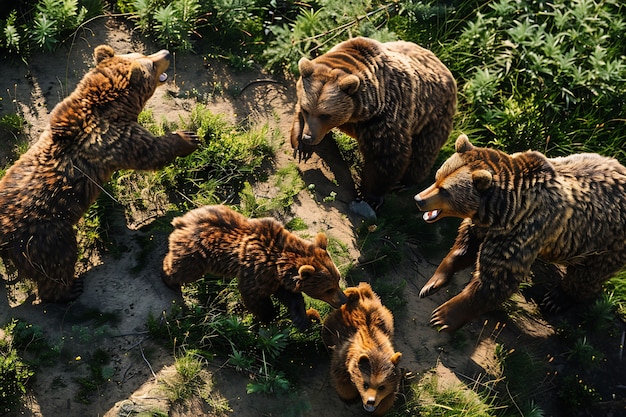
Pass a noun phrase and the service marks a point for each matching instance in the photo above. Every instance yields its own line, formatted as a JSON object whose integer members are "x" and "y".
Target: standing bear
{"x": 569, "y": 211}
{"x": 91, "y": 133}
{"x": 266, "y": 258}
{"x": 364, "y": 363}
{"x": 396, "y": 99}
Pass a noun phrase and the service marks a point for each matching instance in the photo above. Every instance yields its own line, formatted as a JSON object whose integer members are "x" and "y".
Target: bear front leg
{"x": 143, "y": 151}
{"x": 260, "y": 305}
{"x": 462, "y": 255}
{"x": 384, "y": 165}
{"x": 294, "y": 302}
{"x": 502, "y": 264}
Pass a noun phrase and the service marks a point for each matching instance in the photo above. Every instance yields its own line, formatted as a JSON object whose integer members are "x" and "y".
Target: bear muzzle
{"x": 339, "y": 299}
{"x": 370, "y": 405}
{"x": 161, "y": 61}
{"x": 426, "y": 201}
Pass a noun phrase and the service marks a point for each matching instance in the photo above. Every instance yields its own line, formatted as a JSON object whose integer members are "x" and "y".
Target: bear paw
{"x": 556, "y": 301}
{"x": 313, "y": 315}
{"x": 433, "y": 285}
{"x": 189, "y": 136}
{"x": 453, "y": 314}
{"x": 303, "y": 151}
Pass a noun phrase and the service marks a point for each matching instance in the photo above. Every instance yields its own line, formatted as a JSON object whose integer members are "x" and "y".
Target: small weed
{"x": 576, "y": 394}
{"x": 99, "y": 373}
{"x": 14, "y": 372}
{"x": 584, "y": 355}
{"x": 295, "y": 224}
{"x": 431, "y": 399}
{"x": 191, "y": 378}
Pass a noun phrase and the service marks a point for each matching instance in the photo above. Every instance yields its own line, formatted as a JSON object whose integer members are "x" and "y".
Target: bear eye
{"x": 366, "y": 385}
{"x": 381, "y": 388}
{"x": 324, "y": 117}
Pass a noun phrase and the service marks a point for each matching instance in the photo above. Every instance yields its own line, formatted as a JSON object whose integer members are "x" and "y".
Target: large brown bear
{"x": 364, "y": 363}
{"x": 92, "y": 133}
{"x": 569, "y": 211}
{"x": 396, "y": 99}
{"x": 266, "y": 258}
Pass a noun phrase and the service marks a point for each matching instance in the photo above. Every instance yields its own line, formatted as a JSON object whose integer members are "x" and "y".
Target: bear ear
{"x": 482, "y": 179}
{"x": 349, "y": 84}
{"x": 103, "y": 52}
{"x": 321, "y": 240}
{"x": 364, "y": 364}
{"x": 305, "y": 271}
{"x": 395, "y": 358}
{"x": 463, "y": 144}
{"x": 305, "y": 67}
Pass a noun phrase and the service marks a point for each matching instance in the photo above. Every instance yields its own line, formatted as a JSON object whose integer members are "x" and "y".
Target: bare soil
{"x": 113, "y": 290}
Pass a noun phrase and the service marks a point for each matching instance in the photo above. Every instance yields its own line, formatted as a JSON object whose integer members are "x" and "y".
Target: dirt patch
{"x": 127, "y": 298}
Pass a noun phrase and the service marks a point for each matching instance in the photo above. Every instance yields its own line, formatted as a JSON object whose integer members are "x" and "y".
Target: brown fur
{"x": 396, "y": 98}
{"x": 364, "y": 363}
{"x": 91, "y": 133}
{"x": 569, "y": 211}
{"x": 265, "y": 257}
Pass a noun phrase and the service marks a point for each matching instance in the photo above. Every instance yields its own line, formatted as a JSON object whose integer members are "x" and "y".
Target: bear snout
{"x": 307, "y": 139}
{"x": 339, "y": 299}
{"x": 370, "y": 405}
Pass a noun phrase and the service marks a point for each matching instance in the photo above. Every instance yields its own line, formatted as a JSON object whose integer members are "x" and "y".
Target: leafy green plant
{"x": 14, "y": 372}
{"x": 315, "y": 30}
{"x": 525, "y": 79}
{"x": 99, "y": 372}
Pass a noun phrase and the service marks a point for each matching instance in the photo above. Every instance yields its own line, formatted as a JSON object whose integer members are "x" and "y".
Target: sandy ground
{"x": 111, "y": 287}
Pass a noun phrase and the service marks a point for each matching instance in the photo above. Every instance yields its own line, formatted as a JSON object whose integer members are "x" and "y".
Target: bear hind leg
{"x": 580, "y": 283}
{"x": 49, "y": 259}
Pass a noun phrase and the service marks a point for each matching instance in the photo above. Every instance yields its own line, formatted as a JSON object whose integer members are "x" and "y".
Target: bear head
{"x": 376, "y": 376}
{"x": 118, "y": 86}
{"x": 325, "y": 101}
{"x": 319, "y": 277}
{"x": 481, "y": 184}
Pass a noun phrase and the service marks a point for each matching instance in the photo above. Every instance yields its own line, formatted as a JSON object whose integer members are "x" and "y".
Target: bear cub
{"x": 266, "y": 258}
{"x": 364, "y": 364}
{"x": 91, "y": 133}
{"x": 567, "y": 211}
{"x": 396, "y": 99}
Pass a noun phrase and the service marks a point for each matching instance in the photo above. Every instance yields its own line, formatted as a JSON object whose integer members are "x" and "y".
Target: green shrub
{"x": 14, "y": 372}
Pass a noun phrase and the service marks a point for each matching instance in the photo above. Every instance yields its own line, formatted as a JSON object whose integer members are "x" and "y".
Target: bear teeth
{"x": 429, "y": 216}
{"x": 163, "y": 77}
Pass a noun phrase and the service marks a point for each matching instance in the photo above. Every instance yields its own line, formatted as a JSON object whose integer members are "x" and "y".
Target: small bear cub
{"x": 266, "y": 258}
{"x": 364, "y": 363}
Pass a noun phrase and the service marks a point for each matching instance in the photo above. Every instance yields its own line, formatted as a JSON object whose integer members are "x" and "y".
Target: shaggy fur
{"x": 397, "y": 99}
{"x": 265, "y": 257}
{"x": 91, "y": 133}
{"x": 364, "y": 364}
{"x": 569, "y": 211}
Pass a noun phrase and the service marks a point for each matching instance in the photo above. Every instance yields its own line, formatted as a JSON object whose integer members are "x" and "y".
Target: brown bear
{"x": 266, "y": 258}
{"x": 91, "y": 133}
{"x": 569, "y": 211}
{"x": 364, "y": 364}
{"x": 396, "y": 99}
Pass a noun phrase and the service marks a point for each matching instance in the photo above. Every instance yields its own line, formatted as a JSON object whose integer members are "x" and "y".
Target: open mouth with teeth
{"x": 431, "y": 216}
